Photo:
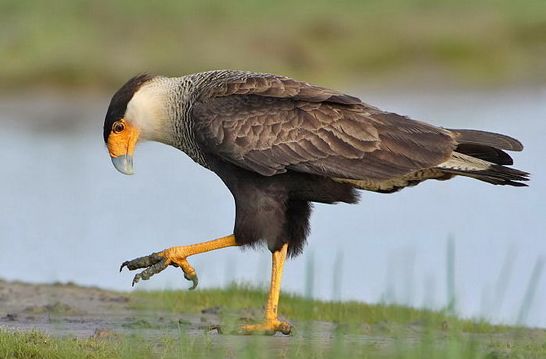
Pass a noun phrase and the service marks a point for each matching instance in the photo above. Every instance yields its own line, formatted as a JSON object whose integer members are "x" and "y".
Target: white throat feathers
{"x": 148, "y": 110}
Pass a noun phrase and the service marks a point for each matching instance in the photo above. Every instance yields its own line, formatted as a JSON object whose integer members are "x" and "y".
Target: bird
{"x": 279, "y": 145}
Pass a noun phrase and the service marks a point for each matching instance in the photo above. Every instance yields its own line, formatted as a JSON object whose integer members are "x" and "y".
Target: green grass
{"x": 359, "y": 331}
{"x": 40, "y": 346}
{"x": 88, "y": 43}
{"x": 37, "y": 345}
{"x": 294, "y": 307}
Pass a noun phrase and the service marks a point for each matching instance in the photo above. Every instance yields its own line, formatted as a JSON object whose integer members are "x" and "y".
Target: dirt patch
{"x": 67, "y": 309}
{"x": 86, "y": 312}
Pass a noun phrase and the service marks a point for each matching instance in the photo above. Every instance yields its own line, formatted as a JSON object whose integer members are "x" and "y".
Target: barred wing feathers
{"x": 273, "y": 124}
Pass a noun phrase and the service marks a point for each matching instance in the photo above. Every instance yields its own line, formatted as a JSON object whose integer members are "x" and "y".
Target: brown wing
{"x": 314, "y": 130}
{"x": 227, "y": 83}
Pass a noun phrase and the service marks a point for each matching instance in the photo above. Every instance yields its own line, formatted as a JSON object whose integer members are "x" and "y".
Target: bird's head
{"x": 138, "y": 111}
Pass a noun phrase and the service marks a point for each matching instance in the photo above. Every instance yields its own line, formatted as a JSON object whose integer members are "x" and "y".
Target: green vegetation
{"x": 36, "y": 345}
{"x": 235, "y": 299}
{"x": 324, "y": 330}
{"x": 88, "y": 43}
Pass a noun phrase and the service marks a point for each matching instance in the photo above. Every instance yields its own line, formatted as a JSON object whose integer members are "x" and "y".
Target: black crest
{"x": 118, "y": 104}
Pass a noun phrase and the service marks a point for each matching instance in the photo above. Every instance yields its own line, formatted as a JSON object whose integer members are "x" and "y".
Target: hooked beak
{"x": 124, "y": 164}
{"x": 121, "y": 145}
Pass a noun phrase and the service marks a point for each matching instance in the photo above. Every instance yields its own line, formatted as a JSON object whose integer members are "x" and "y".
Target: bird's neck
{"x": 177, "y": 127}
{"x": 149, "y": 110}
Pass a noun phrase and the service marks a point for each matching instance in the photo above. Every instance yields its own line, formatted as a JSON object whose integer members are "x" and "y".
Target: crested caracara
{"x": 279, "y": 145}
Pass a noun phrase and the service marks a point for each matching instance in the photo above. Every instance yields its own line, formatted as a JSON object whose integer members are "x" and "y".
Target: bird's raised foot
{"x": 157, "y": 262}
{"x": 269, "y": 327}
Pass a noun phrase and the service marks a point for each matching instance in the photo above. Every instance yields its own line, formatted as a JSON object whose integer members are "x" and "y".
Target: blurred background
{"x": 67, "y": 215}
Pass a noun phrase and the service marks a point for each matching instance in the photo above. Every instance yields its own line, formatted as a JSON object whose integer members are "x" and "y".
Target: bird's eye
{"x": 118, "y": 127}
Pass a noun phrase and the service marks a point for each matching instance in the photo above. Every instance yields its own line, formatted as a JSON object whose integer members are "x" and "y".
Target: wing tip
{"x": 493, "y": 139}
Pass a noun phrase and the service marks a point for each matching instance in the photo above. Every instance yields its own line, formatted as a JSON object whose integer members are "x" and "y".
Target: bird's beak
{"x": 121, "y": 147}
{"x": 124, "y": 164}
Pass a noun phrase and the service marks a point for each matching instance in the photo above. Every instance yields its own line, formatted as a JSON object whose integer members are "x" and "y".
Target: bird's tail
{"x": 480, "y": 155}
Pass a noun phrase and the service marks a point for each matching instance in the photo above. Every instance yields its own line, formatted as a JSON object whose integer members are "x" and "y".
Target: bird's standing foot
{"x": 157, "y": 262}
{"x": 268, "y": 327}
{"x": 272, "y": 324}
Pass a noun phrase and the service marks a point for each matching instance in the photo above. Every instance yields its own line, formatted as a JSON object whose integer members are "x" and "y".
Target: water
{"x": 67, "y": 215}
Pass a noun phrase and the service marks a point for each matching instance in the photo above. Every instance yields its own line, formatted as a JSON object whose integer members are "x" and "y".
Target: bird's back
{"x": 271, "y": 124}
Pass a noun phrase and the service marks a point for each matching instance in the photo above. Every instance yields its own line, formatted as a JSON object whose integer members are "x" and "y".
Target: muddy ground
{"x": 86, "y": 312}
{"x": 68, "y": 309}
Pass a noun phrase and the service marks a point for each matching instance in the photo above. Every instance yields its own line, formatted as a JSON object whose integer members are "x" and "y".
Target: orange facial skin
{"x": 122, "y": 139}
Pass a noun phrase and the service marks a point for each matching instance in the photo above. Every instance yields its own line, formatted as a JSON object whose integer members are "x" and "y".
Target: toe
{"x": 142, "y": 262}
{"x": 150, "y": 271}
{"x": 284, "y": 328}
{"x": 156, "y": 262}
{"x": 188, "y": 270}
{"x": 268, "y": 328}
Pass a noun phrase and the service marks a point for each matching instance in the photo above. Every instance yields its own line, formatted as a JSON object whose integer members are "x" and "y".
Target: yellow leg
{"x": 176, "y": 256}
{"x": 272, "y": 324}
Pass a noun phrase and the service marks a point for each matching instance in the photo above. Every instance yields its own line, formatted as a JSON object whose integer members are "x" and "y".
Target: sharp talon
{"x": 136, "y": 279}
{"x": 189, "y": 273}
{"x": 195, "y": 281}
